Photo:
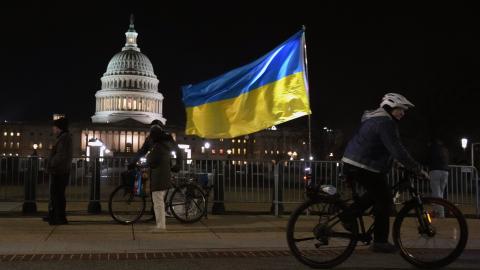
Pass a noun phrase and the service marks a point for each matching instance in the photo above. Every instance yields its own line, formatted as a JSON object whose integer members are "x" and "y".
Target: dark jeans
{"x": 56, "y": 209}
{"x": 377, "y": 193}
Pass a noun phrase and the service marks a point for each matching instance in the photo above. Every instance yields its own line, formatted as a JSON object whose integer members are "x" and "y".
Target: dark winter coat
{"x": 159, "y": 159}
{"x": 376, "y": 143}
{"x": 438, "y": 157}
{"x": 60, "y": 158}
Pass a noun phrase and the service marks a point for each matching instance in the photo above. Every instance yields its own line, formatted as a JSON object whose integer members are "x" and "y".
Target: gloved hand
{"x": 175, "y": 168}
{"x": 131, "y": 166}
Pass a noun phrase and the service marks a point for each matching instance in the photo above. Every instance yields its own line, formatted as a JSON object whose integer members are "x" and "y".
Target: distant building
{"x": 129, "y": 87}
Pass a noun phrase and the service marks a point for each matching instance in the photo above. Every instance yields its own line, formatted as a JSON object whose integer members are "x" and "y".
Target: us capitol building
{"x": 126, "y": 103}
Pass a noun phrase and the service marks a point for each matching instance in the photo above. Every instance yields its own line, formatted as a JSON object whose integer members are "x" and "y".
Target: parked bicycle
{"x": 186, "y": 200}
{"x": 425, "y": 238}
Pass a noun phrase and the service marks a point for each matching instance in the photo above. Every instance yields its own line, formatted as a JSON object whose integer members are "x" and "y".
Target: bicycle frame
{"x": 365, "y": 235}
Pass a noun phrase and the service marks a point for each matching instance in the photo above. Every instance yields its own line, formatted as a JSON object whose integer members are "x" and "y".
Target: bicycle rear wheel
{"x": 187, "y": 203}
{"x": 438, "y": 243}
{"x": 124, "y": 206}
{"x": 316, "y": 236}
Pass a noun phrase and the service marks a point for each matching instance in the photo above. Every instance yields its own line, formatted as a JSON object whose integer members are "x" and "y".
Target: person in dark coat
{"x": 146, "y": 146}
{"x": 367, "y": 159}
{"x": 438, "y": 165}
{"x": 159, "y": 146}
{"x": 58, "y": 166}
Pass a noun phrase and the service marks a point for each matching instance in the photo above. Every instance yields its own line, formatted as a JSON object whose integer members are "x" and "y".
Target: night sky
{"x": 54, "y": 55}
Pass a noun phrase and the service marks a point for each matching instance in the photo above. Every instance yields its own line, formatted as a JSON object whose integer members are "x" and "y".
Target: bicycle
{"x": 317, "y": 237}
{"x": 186, "y": 200}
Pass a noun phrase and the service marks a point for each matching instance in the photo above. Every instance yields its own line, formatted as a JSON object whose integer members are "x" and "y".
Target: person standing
{"x": 58, "y": 166}
{"x": 159, "y": 146}
{"x": 159, "y": 160}
{"x": 438, "y": 166}
{"x": 146, "y": 146}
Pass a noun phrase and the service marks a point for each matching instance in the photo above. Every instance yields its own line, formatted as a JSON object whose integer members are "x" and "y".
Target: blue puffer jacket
{"x": 376, "y": 143}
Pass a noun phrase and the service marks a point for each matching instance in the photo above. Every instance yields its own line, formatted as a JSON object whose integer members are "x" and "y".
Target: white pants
{"x": 438, "y": 182}
{"x": 159, "y": 208}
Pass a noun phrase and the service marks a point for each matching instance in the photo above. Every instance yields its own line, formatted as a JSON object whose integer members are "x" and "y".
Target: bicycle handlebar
{"x": 412, "y": 174}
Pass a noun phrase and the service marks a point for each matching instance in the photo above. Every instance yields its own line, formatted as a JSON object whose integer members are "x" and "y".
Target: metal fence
{"x": 253, "y": 184}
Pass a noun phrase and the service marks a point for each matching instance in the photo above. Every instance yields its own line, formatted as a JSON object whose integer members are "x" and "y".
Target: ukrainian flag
{"x": 266, "y": 92}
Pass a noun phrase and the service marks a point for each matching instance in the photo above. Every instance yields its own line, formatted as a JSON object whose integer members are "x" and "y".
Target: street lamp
{"x": 94, "y": 150}
{"x": 464, "y": 142}
{"x": 29, "y": 204}
{"x": 292, "y": 155}
{"x": 35, "y": 146}
{"x": 207, "y": 145}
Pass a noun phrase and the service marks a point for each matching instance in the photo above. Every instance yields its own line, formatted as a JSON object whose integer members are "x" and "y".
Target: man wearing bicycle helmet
{"x": 367, "y": 159}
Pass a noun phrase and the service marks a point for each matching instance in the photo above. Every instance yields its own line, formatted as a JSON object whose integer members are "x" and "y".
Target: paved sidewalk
{"x": 98, "y": 237}
{"x": 100, "y": 234}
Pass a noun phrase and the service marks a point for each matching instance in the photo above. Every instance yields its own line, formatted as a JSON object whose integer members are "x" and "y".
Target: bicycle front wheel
{"x": 124, "y": 206}
{"x": 317, "y": 238}
{"x": 187, "y": 203}
{"x": 431, "y": 235}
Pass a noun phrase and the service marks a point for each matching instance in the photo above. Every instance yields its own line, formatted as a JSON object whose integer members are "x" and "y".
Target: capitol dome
{"x": 130, "y": 62}
{"x": 129, "y": 87}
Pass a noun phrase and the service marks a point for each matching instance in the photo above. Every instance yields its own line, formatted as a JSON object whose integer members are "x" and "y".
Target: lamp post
{"x": 29, "y": 204}
{"x": 35, "y": 146}
{"x": 472, "y": 148}
{"x": 218, "y": 206}
{"x": 94, "y": 149}
{"x": 464, "y": 142}
{"x": 206, "y": 147}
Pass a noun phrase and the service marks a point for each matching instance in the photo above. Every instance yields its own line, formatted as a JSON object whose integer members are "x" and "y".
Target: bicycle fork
{"x": 424, "y": 220}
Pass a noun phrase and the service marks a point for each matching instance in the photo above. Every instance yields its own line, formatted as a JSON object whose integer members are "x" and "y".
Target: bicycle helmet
{"x": 395, "y": 100}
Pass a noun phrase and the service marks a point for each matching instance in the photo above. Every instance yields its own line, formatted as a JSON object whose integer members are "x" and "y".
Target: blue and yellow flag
{"x": 266, "y": 92}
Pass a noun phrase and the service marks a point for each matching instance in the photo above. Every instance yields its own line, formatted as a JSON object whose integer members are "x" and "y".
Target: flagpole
{"x": 304, "y": 28}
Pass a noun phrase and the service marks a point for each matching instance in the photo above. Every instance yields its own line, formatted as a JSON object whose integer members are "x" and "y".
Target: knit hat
{"x": 61, "y": 123}
{"x": 157, "y": 122}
